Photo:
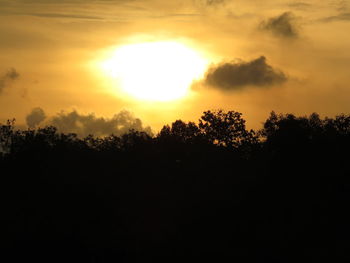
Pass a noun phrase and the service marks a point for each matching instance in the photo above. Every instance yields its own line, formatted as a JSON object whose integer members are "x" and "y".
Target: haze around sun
{"x": 154, "y": 71}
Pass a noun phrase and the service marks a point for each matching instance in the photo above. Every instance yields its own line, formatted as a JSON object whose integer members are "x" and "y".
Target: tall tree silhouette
{"x": 226, "y": 128}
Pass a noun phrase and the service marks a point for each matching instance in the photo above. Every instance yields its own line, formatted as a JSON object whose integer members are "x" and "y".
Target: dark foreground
{"x": 212, "y": 192}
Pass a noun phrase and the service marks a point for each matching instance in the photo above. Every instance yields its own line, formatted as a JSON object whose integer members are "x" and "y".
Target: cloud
{"x": 66, "y": 1}
{"x": 299, "y": 5}
{"x": 9, "y": 76}
{"x": 190, "y": 15}
{"x": 35, "y": 117}
{"x": 282, "y": 26}
{"x": 233, "y": 76}
{"x": 342, "y": 5}
{"x": 214, "y": 2}
{"x": 83, "y": 125}
{"x": 12, "y": 74}
{"x": 58, "y": 15}
{"x": 339, "y": 17}
{"x": 65, "y": 9}
{"x": 209, "y": 3}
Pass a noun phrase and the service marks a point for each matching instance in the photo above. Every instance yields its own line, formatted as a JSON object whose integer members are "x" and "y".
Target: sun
{"x": 155, "y": 71}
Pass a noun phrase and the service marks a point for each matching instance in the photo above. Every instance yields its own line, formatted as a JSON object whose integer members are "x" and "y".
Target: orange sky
{"x": 286, "y": 56}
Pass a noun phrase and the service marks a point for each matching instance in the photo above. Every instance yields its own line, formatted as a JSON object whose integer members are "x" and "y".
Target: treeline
{"x": 208, "y": 191}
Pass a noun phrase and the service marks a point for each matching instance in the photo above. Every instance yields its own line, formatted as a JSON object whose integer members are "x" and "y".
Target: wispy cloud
{"x": 282, "y": 25}
{"x": 300, "y": 5}
{"x": 60, "y": 15}
{"x": 339, "y": 17}
{"x": 7, "y": 78}
{"x": 67, "y": 9}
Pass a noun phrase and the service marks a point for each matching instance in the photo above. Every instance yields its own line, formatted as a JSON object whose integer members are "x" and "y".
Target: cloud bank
{"x": 233, "y": 76}
{"x": 84, "y": 125}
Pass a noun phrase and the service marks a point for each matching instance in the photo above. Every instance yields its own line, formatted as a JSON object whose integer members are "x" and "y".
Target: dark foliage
{"x": 213, "y": 191}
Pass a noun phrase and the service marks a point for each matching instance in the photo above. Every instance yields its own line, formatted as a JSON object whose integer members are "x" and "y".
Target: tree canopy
{"x": 211, "y": 190}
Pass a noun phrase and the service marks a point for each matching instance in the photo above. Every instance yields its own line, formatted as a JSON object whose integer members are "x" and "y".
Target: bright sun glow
{"x": 155, "y": 71}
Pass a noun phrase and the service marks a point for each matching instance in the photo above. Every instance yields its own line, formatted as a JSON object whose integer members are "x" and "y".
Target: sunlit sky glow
{"x": 168, "y": 60}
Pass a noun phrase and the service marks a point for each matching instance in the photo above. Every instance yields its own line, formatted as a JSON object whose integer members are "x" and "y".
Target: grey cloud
{"x": 282, "y": 25}
{"x": 7, "y": 78}
{"x": 340, "y": 17}
{"x": 35, "y": 117}
{"x": 83, "y": 125}
{"x": 233, "y": 76}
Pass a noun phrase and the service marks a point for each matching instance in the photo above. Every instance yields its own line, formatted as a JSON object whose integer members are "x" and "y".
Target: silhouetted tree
{"x": 290, "y": 130}
{"x": 339, "y": 125}
{"x": 180, "y": 132}
{"x": 135, "y": 140}
{"x": 213, "y": 191}
{"x": 226, "y": 128}
{"x": 6, "y": 133}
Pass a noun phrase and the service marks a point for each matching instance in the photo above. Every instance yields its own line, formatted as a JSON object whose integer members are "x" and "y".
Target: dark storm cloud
{"x": 35, "y": 117}
{"x": 340, "y": 17}
{"x": 282, "y": 25}
{"x": 233, "y": 76}
{"x": 7, "y": 78}
{"x": 83, "y": 125}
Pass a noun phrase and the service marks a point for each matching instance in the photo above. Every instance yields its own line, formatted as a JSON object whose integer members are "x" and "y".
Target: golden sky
{"x": 286, "y": 56}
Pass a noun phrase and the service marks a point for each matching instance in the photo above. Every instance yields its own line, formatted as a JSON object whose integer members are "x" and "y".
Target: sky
{"x": 286, "y": 56}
